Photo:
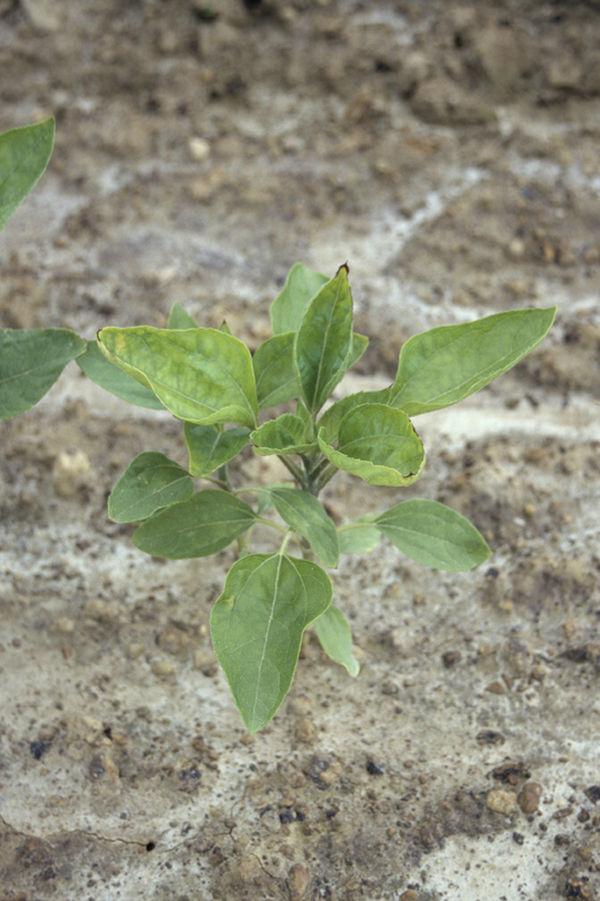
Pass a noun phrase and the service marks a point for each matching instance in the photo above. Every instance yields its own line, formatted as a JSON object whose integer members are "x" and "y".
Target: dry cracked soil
{"x": 449, "y": 152}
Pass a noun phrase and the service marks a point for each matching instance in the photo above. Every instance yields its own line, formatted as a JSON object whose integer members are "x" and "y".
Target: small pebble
{"x": 298, "y": 881}
{"x": 72, "y": 471}
{"x": 199, "y": 149}
{"x": 529, "y": 797}
{"x": 501, "y": 801}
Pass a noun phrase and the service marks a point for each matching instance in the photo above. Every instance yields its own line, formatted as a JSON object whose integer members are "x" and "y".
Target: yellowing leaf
{"x": 377, "y": 444}
{"x": 200, "y": 375}
{"x": 284, "y": 435}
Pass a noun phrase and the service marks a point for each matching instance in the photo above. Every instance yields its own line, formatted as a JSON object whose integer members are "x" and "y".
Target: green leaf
{"x": 150, "y": 482}
{"x": 303, "y": 513}
{"x": 360, "y": 537}
{"x": 323, "y": 343}
{"x": 377, "y": 444}
{"x": 202, "y": 525}
{"x": 31, "y": 360}
{"x": 335, "y": 635}
{"x": 359, "y": 346}
{"x": 434, "y": 535}
{"x": 24, "y": 155}
{"x": 201, "y": 375}
{"x": 210, "y": 447}
{"x": 108, "y": 376}
{"x": 180, "y": 318}
{"x": 276, "y": 377}
{"x": 257, "y": 626}
{"x": 289, "y": 307}
{"x": 442, "y": 366}
{"x": 332, "y": 417}
{"x": 284, "y": 435}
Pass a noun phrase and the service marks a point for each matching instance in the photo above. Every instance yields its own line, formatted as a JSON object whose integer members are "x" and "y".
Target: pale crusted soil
{"x": 449, "y": 153}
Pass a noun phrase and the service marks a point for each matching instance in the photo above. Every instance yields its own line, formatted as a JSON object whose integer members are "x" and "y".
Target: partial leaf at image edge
{"x": 210, "y": 447}
{"x": 335, "y": 636}
{"x": 446, "y": 364}
{"x": 24, "y": 155}
{"x": 201, "y": 375}
{"x": 31, "y": 361}
{"x": 378, "y": 444}
{"x": 306, "y": 515}
{"x": 198, "y": 527}
{"x": 257, "y": 625}
{"x": 434, "y": 535}
{"x": 150, "y": 482}
{"x": 107, "y": 375}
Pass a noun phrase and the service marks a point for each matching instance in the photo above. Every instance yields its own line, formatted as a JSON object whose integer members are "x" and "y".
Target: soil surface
{"x": 449, "y": 152}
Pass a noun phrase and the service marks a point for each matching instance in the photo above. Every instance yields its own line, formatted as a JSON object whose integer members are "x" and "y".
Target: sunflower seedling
{"x": 224, "y": 397}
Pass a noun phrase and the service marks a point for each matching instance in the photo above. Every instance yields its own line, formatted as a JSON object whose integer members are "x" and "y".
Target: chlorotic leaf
{"x": 331, "y": 418}
{"x": 323, "y": 344}
{"x": 31, "y": 360}
{"x": 289, "y": 307}
{"x": 150, "y": 482}
{"x": 24, "y": 155}
{"x": 433, "y": 534}
{"x": 446, "y": 364}
{"x": 377, "y": 444}
{"x": 335, "y": 636}
{"x": 180, "y": 318}
{"x": 360, "y": 537}
{"x": 202, "y": 525}
{"x": 257, "y": 626}
{"x": 303, "y": 513}
{"x": 210, "y": 447}
{"x": 276, "y": 377}
{"x": 94, "y": 364}
{"x": 201, "y": 375}
{"x": 284, "y": 435}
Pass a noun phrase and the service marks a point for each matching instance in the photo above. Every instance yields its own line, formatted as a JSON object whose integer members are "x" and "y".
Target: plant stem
{"x": 327, "y": 474}
{"x": 224, "y": 476}
{"x": 269, "y": 522}
{"x": 286, "y": 541}
{"x": 295, "y": 471}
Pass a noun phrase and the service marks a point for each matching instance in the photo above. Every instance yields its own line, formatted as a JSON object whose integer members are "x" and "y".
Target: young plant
{"x": 224, "y": 396}
{"x": 208, "y": 379}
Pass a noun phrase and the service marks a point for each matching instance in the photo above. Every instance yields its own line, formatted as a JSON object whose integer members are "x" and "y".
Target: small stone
{"x": 135, "y": 650}
{"x": 592, "y": 793}
{"x": 374, "y": 769}
{"x": 529, "y": 797}
{"x": 496, "y": 688}
{"x": 173, "y": 641}
{"x": 409, "y": 895}
{"x": 71, "y": 472}
{"x": 205, "y": 662}
{"x": 501, "y": 801}
{"x": 163, "y": 668}
{"x": 305, "y": 730}
{"x": 43, "y": 14}
{"x": 298, "y": 881}
{"x": 516, "y": 249}
{"x": 199, "y": 149}
{"x": 450, "y": 658}
{"x": 65, "y": 624}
